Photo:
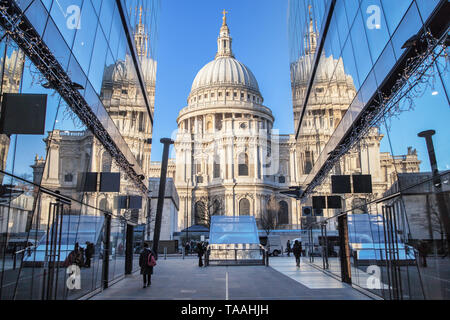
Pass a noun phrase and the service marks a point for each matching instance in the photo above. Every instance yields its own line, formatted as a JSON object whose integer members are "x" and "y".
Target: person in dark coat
{"x": 423, "y": 252}
{"x": 200, "y": 252}
{"x": 297, "y": 250}
{"x": 288, "y": 246}
{"x": 81, "y": 257}
{"x": 88, "y": 254}
{"x": 146, "y": 269}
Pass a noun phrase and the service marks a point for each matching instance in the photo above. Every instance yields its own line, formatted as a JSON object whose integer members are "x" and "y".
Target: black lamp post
{"x": 440, "y": 197}
{"x": 162, "y": 189}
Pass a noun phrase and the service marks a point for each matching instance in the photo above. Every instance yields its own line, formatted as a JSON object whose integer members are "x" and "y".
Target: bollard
{"x": 165, "y": 253}
{"x": 14, "y": 262}
{"x": 182, "y": 252}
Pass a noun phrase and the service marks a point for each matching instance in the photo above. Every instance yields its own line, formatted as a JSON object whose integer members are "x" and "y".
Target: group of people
{"x": 200, "y": 247}
{"x": 296, "y": 250}
{"x": 81, "y": 256}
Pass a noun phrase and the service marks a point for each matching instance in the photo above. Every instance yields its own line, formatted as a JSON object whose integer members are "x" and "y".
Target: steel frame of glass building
{"x": 96, "y": 62}
{"x": 384, "y": 54}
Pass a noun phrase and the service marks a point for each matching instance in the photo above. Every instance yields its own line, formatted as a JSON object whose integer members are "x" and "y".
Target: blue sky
{"x": 188, "y": 33}
{"x": 187, "y": 41}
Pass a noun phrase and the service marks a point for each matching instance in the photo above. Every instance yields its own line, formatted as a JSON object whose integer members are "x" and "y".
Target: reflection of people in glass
{"x": 89, "y": 253}
{"x": 75, "y": 257}
{"x": 423, "y": 252}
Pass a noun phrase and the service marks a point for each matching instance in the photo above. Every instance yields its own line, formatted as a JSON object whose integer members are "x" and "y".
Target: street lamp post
{"x": 149, "y": 213}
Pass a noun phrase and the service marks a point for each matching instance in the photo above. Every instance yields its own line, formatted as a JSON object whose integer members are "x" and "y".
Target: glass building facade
{"x": 95, "y": 61}
{"x": 367, "y": 77}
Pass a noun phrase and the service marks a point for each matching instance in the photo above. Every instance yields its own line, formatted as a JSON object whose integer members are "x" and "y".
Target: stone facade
{"x": 73, "y": 152}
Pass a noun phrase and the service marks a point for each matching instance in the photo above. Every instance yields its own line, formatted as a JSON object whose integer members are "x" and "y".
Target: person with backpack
{"x": 297, "y": 250}
{"x": 147, "y": 262}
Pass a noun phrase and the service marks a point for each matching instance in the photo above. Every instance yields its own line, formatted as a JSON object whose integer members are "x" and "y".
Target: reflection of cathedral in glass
{"x": 71, "y": 152}
{"x": 11, "y": 67}
{"x": 331, "y": 94}
{"x": 13, "y": 214}
{"x": 126, "y": 107}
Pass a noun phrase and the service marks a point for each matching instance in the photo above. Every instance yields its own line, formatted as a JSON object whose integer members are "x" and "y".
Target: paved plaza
{"x": 179, "y": 279}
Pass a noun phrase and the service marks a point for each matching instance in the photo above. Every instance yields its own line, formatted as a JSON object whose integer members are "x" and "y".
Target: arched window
{"x": 217, "y": 208}
{"x": 283, "y": 213}
{"x": 359, "y": 206}
{"x": 218, "y": 120}
{"x": 308, "y": 162}
{"x": 141, "y": 122}
{"x": 199, "y": 215}
{"x": 243, "y": 164}
{"x": 103, "y": 205}
{"x": 216, "y": 168}
{"x": 106, "y": 162}
{"x": 244, "y": 207}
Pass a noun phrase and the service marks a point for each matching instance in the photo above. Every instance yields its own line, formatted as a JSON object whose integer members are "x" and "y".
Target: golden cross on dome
{"x": 224, "y": 12}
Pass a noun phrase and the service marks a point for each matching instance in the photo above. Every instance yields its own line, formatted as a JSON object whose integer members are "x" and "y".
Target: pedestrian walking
{"x": 200, "y": 252}
{"x": 423, "y": 252}
{"x": 187, "y": 248}
{"x": 75, "y": 257}
{"x": 147, "y": 262}
{"x": 288, "y": 247}
{"x": 297, "y": 250}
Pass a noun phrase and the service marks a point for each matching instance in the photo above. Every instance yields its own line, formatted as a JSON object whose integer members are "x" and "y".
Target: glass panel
{"x": 394, "y": 12}
{"x": 375, "y": 26}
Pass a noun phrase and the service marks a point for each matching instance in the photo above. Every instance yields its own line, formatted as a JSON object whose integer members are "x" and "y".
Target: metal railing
{"x": 15, "y": 254}
{"x": 236, "y": 256}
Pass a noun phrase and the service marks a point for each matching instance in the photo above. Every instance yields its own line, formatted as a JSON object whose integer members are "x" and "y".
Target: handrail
{"x": 23, "y": 250}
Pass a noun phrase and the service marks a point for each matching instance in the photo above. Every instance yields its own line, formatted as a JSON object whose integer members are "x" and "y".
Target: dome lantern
{"x": 224, "y": 40}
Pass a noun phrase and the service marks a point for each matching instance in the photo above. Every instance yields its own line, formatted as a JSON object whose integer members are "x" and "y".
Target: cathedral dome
{"x": 225, "y": 71}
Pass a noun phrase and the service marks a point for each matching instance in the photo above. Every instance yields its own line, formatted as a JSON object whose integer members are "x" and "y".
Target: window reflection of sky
{"x": 97, "y": 45}
{"x": 366, "y": 48}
